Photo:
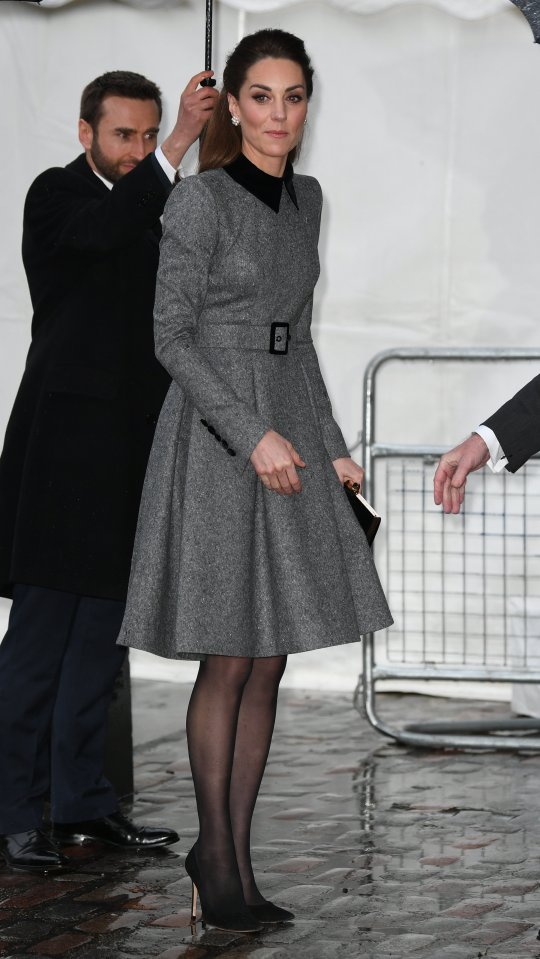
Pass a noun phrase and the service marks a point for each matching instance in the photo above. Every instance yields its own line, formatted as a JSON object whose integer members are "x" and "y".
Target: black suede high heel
{"x": 232, "y": 919}
{"x": 267, "y": 913}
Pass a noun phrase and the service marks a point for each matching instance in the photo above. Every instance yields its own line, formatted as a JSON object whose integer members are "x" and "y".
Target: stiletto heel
{"x": 232, "y": 919}
{"x": 194, "y": 894}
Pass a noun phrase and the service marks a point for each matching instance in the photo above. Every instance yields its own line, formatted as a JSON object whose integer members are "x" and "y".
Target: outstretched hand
{"x": 275, "y": 460}
{"x": 453, "y": 469}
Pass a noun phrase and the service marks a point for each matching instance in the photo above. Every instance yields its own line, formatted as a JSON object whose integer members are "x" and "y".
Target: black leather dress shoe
{"x": 116, "y": 830}
{"x": 32, "y": 851}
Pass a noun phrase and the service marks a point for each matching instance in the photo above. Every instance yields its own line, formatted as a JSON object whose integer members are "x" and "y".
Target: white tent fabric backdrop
{"x": 424, "y": 133}
{"x": 458, "y": 8}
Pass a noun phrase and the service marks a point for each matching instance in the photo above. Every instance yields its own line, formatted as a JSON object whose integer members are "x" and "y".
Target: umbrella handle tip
{"x": 208, "y": 82}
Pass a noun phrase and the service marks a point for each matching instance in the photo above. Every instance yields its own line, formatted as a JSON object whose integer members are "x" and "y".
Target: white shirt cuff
{"x": 497, "y": 460}
{"x": 167, "y": 167}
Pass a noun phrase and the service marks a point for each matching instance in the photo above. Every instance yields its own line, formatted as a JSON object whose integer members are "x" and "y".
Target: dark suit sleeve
{"x": 62, "y": 213}
{"x": 517, "y": 425}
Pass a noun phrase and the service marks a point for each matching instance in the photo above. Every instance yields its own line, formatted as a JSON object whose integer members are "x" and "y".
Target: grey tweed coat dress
{"x": 222, "y": 565}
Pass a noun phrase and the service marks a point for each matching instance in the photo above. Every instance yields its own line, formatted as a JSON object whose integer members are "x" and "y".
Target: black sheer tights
{"x": 230, "y": 721}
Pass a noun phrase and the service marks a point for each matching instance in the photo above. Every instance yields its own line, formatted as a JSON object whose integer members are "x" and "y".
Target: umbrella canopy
{"x": 465, "y": 9}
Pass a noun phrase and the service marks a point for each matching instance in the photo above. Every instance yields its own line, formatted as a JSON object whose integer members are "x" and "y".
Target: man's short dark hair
{"x": 116, "y": 83}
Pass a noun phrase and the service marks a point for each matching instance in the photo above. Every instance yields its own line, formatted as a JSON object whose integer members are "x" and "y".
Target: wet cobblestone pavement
{"x": 381, "y": 851}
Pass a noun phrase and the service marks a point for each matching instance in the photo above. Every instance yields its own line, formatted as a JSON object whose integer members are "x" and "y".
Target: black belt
{"x": 277, "y": 340}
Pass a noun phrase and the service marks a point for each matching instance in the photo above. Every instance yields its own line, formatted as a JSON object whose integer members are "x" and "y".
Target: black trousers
{"x": 58, "y": 664}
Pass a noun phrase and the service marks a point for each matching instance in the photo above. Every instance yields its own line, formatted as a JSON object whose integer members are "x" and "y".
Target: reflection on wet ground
{"x": 380, "y": 851}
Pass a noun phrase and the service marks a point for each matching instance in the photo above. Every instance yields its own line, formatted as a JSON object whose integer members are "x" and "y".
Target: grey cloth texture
{"x": 222, "y": 565}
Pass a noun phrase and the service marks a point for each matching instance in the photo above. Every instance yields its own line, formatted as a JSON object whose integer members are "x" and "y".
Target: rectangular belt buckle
{"x": 279, "y": 338}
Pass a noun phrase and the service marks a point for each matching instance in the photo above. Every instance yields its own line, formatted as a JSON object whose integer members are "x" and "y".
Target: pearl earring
{"x": 235, "y": 121}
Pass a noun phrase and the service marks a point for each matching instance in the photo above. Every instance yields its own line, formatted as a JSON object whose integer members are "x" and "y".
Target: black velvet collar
{"x": 266, "y": 188}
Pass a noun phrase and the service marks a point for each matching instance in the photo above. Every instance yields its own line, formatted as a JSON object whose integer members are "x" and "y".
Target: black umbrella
{"x": 531, "y": 10}
{"x": 208, "y": 81}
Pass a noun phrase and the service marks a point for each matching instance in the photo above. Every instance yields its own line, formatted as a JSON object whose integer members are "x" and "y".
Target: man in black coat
{"x": 507, "y": 439}
{"x": 74, "y": 460}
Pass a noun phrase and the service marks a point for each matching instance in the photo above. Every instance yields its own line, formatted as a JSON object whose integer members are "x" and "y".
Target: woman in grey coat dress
{"x": 247, "y": 548}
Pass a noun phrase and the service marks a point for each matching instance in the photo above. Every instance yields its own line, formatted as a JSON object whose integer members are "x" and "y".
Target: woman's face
{"x": 272, "y": 108}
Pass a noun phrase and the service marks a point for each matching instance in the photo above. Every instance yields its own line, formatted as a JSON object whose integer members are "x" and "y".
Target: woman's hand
{"x": 275, "y": 461}
{"x": 347, "y": 469}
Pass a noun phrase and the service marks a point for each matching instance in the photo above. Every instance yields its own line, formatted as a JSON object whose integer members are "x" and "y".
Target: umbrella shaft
{"x": 208, "y": 44}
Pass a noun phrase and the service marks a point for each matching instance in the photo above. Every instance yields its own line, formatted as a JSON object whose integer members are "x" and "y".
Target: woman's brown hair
{"x": 221, "y": 142}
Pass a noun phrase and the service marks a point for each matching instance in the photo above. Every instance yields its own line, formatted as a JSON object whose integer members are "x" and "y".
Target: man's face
{"x": 126, "y": 132}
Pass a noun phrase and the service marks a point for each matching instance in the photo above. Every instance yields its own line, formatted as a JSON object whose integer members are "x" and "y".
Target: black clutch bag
{"x": 367, "y": 517}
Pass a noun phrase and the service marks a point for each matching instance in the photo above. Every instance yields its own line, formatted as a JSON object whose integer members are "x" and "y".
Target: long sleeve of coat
{"x": 334, "y": 442}
{"x": 517, "y": 425}
{"x": 190, "y": 237}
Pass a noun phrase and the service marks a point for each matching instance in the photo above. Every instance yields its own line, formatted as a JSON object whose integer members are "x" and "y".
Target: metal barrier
{"x": 464, "y": 590}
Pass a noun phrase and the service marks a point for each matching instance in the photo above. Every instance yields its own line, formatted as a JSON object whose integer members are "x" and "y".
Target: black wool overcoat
{"x": 78, "y": 439}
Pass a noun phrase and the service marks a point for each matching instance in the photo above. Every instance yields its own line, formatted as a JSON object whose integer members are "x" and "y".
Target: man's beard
{"x": 109, "y": 169}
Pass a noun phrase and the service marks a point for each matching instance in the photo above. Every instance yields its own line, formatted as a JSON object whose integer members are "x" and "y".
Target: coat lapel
{"x": 83, "y": 168}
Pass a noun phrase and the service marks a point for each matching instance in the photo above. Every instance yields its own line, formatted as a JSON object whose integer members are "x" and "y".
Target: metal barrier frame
{"x": 443, "y": 735}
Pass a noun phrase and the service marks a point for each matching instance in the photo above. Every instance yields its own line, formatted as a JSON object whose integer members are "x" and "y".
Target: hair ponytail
{"x": 221, "y": 142}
